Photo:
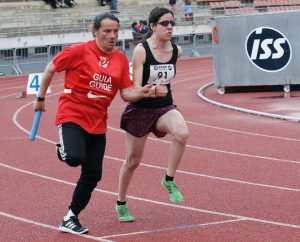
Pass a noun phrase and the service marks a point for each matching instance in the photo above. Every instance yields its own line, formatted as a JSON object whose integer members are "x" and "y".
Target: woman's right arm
{"x": 136, "y": 91}
{"x": 138, "y": 60}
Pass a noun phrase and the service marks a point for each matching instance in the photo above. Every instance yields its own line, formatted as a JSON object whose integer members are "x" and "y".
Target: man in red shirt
{"x": 94, "y": 72}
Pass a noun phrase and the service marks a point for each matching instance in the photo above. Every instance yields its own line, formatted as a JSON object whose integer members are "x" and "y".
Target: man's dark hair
{"x": 99, "y": 18}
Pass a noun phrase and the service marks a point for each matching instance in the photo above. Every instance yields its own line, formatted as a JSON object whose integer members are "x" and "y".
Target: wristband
{"x": 40, "y": 99}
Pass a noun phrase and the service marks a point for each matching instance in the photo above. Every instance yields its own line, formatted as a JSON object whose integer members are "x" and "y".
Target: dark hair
{"x": 154, "y": 16}
{"x": 134, "y": 24}
{"x": 156, "y": 13}
{"x": 100, "y": 17}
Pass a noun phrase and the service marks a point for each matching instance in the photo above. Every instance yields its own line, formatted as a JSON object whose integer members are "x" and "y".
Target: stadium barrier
{"x": 34, "y": 59}
{"x": 256, "y": 50}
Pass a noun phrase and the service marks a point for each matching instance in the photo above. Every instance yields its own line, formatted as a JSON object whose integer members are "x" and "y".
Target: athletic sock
{"x": 169, "y": 178}
{"x": 121, "y": 203}
{"x": 70, "y": 214}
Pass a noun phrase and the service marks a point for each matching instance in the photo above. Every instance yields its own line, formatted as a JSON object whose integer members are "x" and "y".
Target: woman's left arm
{"x": 179, "y": 51}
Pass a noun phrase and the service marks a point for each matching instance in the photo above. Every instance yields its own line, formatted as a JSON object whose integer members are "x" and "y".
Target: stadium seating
{"x": 34, "y": 17}
{"x": 224, "y": 4}
{"x": 235, "y": 11}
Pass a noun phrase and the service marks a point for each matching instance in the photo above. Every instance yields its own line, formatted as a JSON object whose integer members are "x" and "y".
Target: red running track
{"x": 239, "y": 175}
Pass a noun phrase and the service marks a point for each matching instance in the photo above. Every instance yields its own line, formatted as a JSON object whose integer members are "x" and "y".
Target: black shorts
{"x": 78, "y": 147}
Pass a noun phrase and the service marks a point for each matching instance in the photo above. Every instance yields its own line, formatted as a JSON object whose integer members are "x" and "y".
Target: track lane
{"x": 189, "y": 106}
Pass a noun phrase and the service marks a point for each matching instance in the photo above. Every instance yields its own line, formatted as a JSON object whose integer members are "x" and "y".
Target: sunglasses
{"x": 166, "y": 23}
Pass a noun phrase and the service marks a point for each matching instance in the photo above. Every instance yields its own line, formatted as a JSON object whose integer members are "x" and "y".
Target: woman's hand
{"x": 161, "y": 90}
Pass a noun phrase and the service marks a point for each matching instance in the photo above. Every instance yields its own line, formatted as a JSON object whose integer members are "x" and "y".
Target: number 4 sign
{"x": 34, "y": 83}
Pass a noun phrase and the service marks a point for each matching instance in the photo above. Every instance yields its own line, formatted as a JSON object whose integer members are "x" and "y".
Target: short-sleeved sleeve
{"x": 68, "y": 58}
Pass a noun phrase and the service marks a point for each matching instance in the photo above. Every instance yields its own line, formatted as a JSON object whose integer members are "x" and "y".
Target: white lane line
{"x": 243, "y": 132}
{"x": 14, "y": 87}
{"x": 244, "y": 154}
{"x": 160, "y": 140}
{"x": 204, "y": 125}
{"x": 10, "y": 95}
{"x": 199, "y": 174}
{"x": 157, "y": 202}
{"x": 189, "y": 79}
{"x": 174, "y": 228}
{"x": 222, "y": 151}
{"x": 200, "y": 93}
{"x": 215, "y": 177}
{"x": 47, "y": 226}
{"x": 14, "y": 138}
{"x": 180, "y": 171}
{"x": 168, "y": 142}
{"x": 191, "y": 71}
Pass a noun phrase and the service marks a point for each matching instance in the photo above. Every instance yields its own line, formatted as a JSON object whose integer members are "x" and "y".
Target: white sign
{"x": 34, "y": 83}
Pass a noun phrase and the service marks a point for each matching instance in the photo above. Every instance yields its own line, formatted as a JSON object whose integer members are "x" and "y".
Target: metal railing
{"x": 34, "y": 59}
{"x": 42, "y": 26}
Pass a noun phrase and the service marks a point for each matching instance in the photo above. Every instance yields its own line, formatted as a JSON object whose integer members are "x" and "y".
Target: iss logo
{"x": 268, "y": 49}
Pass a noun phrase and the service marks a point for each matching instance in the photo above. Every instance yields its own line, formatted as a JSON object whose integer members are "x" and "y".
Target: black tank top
{"x": 156, "y": 72}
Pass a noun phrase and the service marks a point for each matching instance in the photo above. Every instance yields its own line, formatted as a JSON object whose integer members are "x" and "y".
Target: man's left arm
{"x": 135, "y": 93}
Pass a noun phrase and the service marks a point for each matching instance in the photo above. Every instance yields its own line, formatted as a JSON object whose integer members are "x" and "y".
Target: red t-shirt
{"x": 92, "y": 78}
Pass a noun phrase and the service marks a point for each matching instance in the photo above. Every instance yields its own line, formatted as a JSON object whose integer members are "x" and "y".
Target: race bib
{"x": 161, "y": 74}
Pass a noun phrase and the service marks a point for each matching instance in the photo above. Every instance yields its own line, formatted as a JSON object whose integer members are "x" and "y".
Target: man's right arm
{"x": 46, "y": 80}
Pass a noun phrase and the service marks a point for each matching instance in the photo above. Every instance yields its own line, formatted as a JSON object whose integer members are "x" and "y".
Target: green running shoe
{"x": 174, "y": 194}
{"x": 123, "y": 214}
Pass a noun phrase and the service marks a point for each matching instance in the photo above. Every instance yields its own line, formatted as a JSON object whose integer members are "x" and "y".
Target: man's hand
{"x": 134, "y": 94}
{"x": 148, "y": 91}
{"x": 39, "y": 106}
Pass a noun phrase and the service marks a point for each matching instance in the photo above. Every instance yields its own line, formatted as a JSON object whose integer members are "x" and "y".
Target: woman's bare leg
{"x": 135, "y": 150}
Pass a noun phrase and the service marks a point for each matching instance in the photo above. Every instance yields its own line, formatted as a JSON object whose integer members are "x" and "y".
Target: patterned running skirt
{"x": 140, "y": 121}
